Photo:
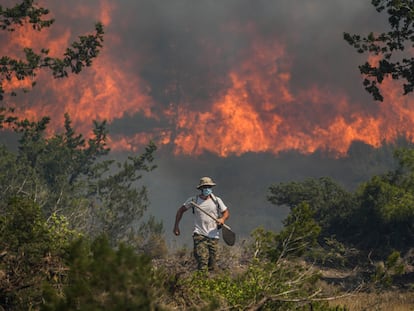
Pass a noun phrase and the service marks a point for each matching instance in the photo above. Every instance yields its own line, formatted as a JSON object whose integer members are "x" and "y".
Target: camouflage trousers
{"x": 205, "y": 252}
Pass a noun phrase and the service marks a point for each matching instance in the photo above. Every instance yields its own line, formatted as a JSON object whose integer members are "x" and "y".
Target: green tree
{"x": 298, "y": 236}
{"x": 54, "y": 187}
{"x": 379, "y": 216}
{"x": 68, "y": 176}
{"x": 101, "y": 278}
{"x": 389, "y": 47}
{"x": 385, "y": 216}
{"x": 31, "y": 253}
{"x": 79, "y": 55}
{"x": 62, "y": 183}
{"x": 330, "y": 203}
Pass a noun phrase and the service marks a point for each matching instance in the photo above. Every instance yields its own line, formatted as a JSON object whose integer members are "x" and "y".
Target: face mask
{"x": 206, "y": 191}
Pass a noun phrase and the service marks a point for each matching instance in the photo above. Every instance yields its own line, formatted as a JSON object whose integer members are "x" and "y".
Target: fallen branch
{"x": 310, "y": 298}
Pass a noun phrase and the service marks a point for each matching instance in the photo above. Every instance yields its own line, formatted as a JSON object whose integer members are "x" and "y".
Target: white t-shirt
{"x": 203, "y": 224}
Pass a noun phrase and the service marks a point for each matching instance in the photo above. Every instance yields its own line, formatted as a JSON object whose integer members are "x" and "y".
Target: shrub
{"x": 102, "y": 278}
{"x": 31, "y": 253}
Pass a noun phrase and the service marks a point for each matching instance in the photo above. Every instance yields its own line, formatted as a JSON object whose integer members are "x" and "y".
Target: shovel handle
{"x": 208, "y": 214}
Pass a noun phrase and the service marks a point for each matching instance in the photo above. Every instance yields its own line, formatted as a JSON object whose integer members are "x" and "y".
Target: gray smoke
{"x": 243, "y": 183}
{"x": 184, "y": 50}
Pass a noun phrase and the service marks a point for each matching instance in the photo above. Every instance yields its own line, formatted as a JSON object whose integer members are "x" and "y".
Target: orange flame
{"x": 100, "y": 92}
{"x": 259, "y": 112}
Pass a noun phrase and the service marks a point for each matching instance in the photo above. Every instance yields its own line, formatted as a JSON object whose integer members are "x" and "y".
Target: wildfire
{"x": 259, "y": 111}
{"x": 101, "y": 92}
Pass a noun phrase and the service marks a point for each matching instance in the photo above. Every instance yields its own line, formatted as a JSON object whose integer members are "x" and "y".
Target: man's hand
{"x": 176, "y": 230}
{"x": 220, "y": 221}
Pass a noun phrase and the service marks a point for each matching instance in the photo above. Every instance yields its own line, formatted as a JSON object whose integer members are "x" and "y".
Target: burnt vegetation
{"x": 75, "y": 233}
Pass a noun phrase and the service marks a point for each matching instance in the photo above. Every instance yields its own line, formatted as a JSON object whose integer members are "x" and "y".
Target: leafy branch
{"x": 385, "y": 45}
{"x": 79, "y": 55}
{"x": 25, "y": 12}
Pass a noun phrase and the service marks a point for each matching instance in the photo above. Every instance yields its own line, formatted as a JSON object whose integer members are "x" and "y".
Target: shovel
{"x": 228, "y": 235}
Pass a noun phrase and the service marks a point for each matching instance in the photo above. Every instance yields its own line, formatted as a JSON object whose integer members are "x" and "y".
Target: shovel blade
{"x": 228, "y": 236}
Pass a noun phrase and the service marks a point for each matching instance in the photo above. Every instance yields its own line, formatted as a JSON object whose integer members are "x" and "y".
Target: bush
{"x": 385, "y": 272}
{"x": 31, "y": 253}
{"x": 102, "y": 278}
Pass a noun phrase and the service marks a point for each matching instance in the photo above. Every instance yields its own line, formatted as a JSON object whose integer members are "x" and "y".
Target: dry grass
{"x": 386, "y": 301}
{"x": 334, "y": 282}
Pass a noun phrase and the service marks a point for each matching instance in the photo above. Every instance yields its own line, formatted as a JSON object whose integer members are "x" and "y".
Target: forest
{"x": 75, "y": 232}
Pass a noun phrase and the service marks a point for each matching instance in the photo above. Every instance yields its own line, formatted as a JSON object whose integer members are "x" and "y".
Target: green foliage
{"x": 101, "y": 278}
{"x": 229, "y": 292}
{"x": 59, "y": 227}
{"x": 21, "y": 224}
{"x": 300, "y": 231}
{"x": 379, "y": 216}
{"x": 122, "y": 203}
{"x": 386, "y": 46}
{"x": 333, "y": 253}
{"x": 274, "y": 278}
{"x": 389, "y": 201}
{"x": 79, "y": 55}
{"x": 149, "y": 239}
{"x": 385, "y": 272}
{"x": 24, "y": 229}
{"x": 31, "y": 252}
{"x": 385, "y": 217}
{"x": 56, "y": 188}
{"x": 26, "y": 11}
{"x": 330, "y": 203}
{"x": 298, "y": 236}
{"x": 65, "y": 174}
{"x": 263, "y": 285}
{"x": 404, "y": 173}
{"x": 68, "y": 176}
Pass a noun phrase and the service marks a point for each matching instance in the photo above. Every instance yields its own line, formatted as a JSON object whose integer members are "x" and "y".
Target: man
{"x": 206, "y": 230}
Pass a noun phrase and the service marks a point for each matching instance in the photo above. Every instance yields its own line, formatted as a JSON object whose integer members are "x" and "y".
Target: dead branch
{"x": 311, "y": 298}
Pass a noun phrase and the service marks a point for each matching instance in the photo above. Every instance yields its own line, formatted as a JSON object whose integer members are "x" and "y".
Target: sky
{"x": 247, "y": 92}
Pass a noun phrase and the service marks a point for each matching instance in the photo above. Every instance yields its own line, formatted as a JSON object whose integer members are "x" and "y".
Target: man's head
{"x": 206, "y": 182}
{"x": 205, "y": 185}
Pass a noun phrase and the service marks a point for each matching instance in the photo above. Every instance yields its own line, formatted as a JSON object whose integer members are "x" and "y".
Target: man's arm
{"x": 178, "y": 216}
{"x": 224, "y": 217}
